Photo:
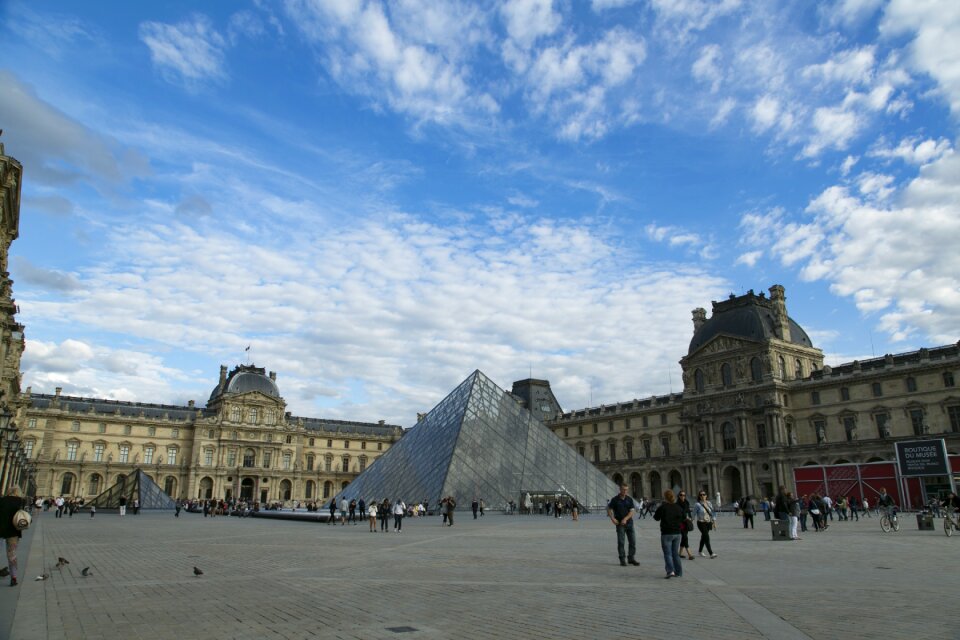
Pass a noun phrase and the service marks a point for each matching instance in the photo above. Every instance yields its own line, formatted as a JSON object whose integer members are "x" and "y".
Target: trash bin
{"x": 925, "y": 521}
{"x": 780, "y": 529}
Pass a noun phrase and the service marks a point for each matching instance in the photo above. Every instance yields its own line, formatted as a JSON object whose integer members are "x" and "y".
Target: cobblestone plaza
{"x": 496, "y": 577}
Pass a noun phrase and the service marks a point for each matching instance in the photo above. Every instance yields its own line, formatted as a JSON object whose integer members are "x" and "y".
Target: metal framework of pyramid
{"x": 136, "y": 486}
{"x": 480, "y": 442}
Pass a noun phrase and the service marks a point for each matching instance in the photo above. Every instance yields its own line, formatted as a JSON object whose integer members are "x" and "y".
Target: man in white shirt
{"x": 59, "y": 503}
{"x": 399, "y": 509}
{"x": 343, "y": 511}
{"x": 828, "y": 503}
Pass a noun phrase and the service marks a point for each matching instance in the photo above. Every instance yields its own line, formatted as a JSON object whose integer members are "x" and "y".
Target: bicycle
{"x": 950, "y": 524}
{"x": 889, "y": 521}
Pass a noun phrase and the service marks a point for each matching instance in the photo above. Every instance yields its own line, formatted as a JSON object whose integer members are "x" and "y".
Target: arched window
{"x": 253, "y": 415}
{"x": 328, "y": 463}
{"x": 698, "y": 380}
{"x": 308, "y": 490}
{"x": 345, "y": 463}
{"x": 798, "y": 369}
{"x": 911, "y": 384}
{"x": 170, "y": 486}
{"x": 249, "y": 457}
{"x": 310, "y": 463}
{"x": 94, "y": 485}
{"x": 235, "y": 414}
{"x": 756, "y": 370}
{"x": 66, "y": 485}
{"x": 729, "y": 436}
{"x": 726, "y": 374}
{"x": 327, "y": 489}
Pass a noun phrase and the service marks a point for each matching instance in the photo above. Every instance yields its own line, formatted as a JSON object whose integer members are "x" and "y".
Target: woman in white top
{"x": 399, "y": 509}
{"x": 704, "y": 514}
{"x": 372, "y": 514}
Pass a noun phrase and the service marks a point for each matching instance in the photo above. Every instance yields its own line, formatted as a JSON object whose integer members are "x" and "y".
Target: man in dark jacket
{"x": 9, "y": 505}
{"x": 781, "y": 507}
{"x": 621, "y": 510}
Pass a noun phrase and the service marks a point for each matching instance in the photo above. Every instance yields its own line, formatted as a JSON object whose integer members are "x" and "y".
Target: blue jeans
{"x": 626, "y": 531}
{"x": 670, "y": 544}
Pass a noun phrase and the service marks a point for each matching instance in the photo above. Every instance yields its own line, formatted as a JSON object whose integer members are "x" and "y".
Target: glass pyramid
{"x": 479, "y": 442}
{"x": 139, "y": 486}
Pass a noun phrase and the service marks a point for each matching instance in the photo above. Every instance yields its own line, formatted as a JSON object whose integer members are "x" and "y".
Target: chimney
{"x": 381, "y": 422}
{"x": 699, "y": 318}
{"x": 223, "y": 374}
{"x": 273, "y": 376}
{"x": 57, "y": 391}
{"x": 190, "y": 403}
{"x": 781, "y": 323}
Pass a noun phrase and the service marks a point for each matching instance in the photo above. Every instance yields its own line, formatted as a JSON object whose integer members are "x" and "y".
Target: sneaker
{"x": 670, "y": 575}
{"x": 13, "y": 581}
{"x": 634, "y": 563}
{"x": 703, "y": 555}
{"x": 713, "y": 555}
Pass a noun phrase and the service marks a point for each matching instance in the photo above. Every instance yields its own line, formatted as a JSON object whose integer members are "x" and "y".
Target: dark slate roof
{"x": 749, "y": 316}
{"x": 246, "y": 378}
{"x": 346, "y": 427}
{"x": 111, "y": 407}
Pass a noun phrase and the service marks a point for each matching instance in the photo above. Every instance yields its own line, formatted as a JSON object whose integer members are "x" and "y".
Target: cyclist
{"x": 885, "y": 503}
{"x": 951, "y": 503}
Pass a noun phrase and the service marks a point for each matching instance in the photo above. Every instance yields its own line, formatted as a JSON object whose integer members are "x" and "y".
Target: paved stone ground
{"x": 498, "y": 577}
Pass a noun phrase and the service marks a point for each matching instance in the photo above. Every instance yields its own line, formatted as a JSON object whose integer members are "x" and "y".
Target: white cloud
{"x": 914, "y": 150}
{"x": 603, "y": 5}
{"x": 853, "y": 66}
{"x": 834, "y": 127}
{"x": 190, "y": 51}
{"x": 528, "y": 20}
{"x": 685, "y": 16}
{"x": 875, "y": 186}
{"x": 851, "y": 12}
{"x": 749, "y": 259}
{"x": 765, "y": 113}
{"x": 706, "y": 68}
{"x": 848, "y": 164}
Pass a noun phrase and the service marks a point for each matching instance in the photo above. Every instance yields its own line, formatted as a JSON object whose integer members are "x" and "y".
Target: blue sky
{"x": 379, "y": 198}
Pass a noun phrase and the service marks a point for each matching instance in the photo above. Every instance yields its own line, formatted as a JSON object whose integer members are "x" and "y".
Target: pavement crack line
{"x": 766, "y": 622}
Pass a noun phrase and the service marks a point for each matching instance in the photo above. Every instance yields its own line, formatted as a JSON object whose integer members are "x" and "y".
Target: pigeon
{"x": 43, "y": 577}
{"x": 197, "y": 572}
{"x": 61, "y": 562}
{"x": 4, "y": 572}
{"x": 86, "y": 572}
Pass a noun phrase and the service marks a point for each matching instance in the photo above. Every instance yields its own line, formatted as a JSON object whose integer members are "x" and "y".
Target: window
{"x": 66, "y": 486}
{"x": 761, "y": 435}
{"x": 98, "y": 452}
{"x": 850, "y": 428}
{"x": 328, "y": 463}
{"x": 596, "y": 453}
{"x": 646, "y": 448}
{"x": 208, "y": 457}
{"x": 729, "y": 436}
{"x": 881, "y": 419}
{"x": 911, "y": 384}
{"x": 783, "y": 367}
{"x": 582, "y": 451}
{"x": 566, "y": 432}
{"x": 94, "y": 486}
{"x": 312, "y": 442}
{"x": 75, "y": 426}
{"x": 626, "y": 424}
{"x": 327, "y": 489}
{"x": 231, "y": 457}
{"x": 346, "y": 444}
{"x": 628, "y": 449}
{"x": 171, "y": 455}
{"x": 363, "y": 463}
{"x": 756, "y": 370}
{"x": 308, "y": 493}
{"x": 877, "y": 389}
{"x": 289, "y": 440}
{"x": 249, "y": 457}
{"x": 726, "y": 374}
{"x": 595, "y": 430}
{"x": 798, "y": 369}
{"x": 844, "y": 394}
{"x": 210, "y": 433}
{"x": 612, "y": 451}
{"x": 610, "y": 426}
{"x": 32, "y": 423}
{"x": 698, "y": 381}
{"x": 174, "y": 433}
{"x": 268, "y": 437}
{"x": 102, "y": 428}
{"x": 815, "y": 397}
{"x": 363, "y": 445}
{"x": 329, "y": 443}
{"x": 579, "y": 429}
{"x": 702, "y": 440}
{"x": 665, "y": 445}
{"x": 286, "y": 461}
{"x": 345, "y": 464}
{"x": 953, "y": 412}
{"x": 663, "y": 419}
{"x": 269, "y": 416}
{"x": 252, "y": 415}
{"x": 948, "y": 378}
{"x": 72, "y": 450}
{"x": 379, "y": 446}
{"x": 309, "y": 463}
{"x": 266, "y": 460}
{"x": 124, "y": 453}
{"x": 916, "y": 419}
{"x": 235, "y": 414}
{"x": 820, "y": 429}
{"x": 28, "y": 448}
{"x": 151, "y": 431}
{"x": 148, "y": 455}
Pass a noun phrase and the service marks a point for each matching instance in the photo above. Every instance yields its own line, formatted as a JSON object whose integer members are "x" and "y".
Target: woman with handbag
{"x": 704, "y": 513}
{"x": 686, "y": 525}
{"x": 10, "y": 504}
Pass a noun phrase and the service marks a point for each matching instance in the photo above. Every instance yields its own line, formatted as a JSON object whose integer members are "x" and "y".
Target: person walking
{"x": 399, "y": 509}
{"x": 686, "y": 526}
{"x": 372, "y": 515}
{"x": 333, "y": 512}
{"x": 748, "y": 508}
{"x": 343, "y": 511}
{"x": 451, "y": 506}
{"x": 670, "y": 516}
{"x": 704, "y": 514}
{"x": 475, "y": 507}
{"x": 794, "y": 506}
{"x": 620, "y": 510}
{"x": 482, "y": 506}
{"x": 122, "y": 501}
{"x": 9, "y": 505}
{"x": 353, "y": 512}
{"x": 383, "y": 512}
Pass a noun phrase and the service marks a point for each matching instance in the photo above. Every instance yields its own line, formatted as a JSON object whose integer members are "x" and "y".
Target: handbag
{"x": 815, "y": 512}
{"x": 22, "y": 520}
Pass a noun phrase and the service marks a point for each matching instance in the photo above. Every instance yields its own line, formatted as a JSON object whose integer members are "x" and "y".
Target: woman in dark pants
{"x": 703, "y": 511}
{"x": 684, "y": 505}
{"x": 9, "y": 505}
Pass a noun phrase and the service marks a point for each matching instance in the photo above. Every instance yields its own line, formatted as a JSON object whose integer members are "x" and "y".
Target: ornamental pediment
{"x": 721, "y": 344}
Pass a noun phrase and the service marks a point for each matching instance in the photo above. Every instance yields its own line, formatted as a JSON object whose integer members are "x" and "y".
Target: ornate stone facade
{"x": 243, "y": 443}
{"x": 758, "y": 401}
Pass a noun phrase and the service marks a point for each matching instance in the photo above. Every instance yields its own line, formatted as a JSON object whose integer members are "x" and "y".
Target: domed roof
{"x": 244, "y": 379}
{"x": 750, "y": 317}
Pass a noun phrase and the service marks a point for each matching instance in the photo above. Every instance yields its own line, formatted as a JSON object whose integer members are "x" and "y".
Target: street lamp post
{"x": 11, "y": 445}
{"x": 6, "y": 435}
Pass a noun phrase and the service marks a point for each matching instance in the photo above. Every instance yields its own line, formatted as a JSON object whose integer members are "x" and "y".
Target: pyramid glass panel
{"x": 479, "y": 442}
{"x": 136, "y": 486}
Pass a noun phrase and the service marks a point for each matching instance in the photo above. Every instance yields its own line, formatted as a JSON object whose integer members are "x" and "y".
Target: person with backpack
{"x": 10, "y": 505}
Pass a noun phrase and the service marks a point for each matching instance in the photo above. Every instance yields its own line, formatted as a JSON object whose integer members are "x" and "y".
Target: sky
{"x": 377, "y": 198}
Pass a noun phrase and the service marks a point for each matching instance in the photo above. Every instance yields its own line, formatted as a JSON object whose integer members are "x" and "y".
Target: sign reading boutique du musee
{"x": 923, "y": 458}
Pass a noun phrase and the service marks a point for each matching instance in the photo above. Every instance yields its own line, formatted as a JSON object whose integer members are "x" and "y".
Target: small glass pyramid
{"x": 480, "y": 442}
{"x": 136, "y": 486}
